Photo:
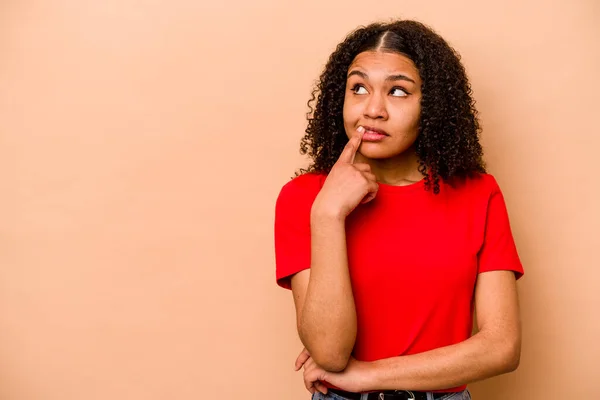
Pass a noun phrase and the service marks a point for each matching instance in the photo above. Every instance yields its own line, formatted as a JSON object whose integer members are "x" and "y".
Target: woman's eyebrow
{"x": 398, "y": 77}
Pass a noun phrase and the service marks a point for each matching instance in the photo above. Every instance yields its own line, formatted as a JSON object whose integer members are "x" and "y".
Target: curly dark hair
{"x": 447, "y": 144}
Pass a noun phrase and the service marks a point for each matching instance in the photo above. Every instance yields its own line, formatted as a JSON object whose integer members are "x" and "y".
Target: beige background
{"x": 143, "y": 144}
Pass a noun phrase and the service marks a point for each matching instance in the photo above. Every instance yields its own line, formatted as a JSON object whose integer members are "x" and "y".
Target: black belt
{"x": 389, "y": 395}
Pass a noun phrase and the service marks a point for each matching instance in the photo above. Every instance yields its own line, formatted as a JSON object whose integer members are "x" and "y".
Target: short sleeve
{"x": 498, "y": 251}
{"x": 292, "y": 227}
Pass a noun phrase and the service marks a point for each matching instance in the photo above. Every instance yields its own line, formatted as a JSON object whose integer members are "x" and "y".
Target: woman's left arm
{"x": 495, "y": 349}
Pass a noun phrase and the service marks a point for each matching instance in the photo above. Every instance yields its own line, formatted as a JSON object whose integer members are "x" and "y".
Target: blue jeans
{"x": 464, "y": 395}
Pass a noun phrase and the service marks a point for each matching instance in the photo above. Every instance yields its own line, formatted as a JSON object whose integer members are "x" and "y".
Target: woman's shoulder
{"x": 305, "y": 182}
{"x": 302, "y": 188}
{"x": 480, "y": 183}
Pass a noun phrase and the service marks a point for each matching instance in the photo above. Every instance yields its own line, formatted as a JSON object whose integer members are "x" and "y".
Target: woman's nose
{"x": 375, "y": 107}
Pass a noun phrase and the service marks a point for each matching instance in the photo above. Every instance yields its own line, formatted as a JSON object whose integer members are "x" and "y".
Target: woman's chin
{"x": 371, "y": 151}
{"x": 381, "y": 150}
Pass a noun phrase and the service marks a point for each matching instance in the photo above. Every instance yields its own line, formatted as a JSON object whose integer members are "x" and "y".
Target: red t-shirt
{"x": 413, "y": 258}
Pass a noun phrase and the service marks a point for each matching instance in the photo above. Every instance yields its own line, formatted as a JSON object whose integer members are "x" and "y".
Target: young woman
{"x": 395, "y": 234}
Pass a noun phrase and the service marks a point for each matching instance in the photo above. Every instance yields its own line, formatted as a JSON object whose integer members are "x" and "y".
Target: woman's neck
{"x": 400, "y": 170}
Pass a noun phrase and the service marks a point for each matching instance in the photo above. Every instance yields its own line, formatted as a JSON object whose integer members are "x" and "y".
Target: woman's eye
{"x": 359, "y": 89}
{"x": 399, "y": 92}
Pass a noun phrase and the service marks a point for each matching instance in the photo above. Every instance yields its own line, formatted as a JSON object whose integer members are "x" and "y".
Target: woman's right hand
{"x": 304, "y": 360}
{"x": 347, "y": 184}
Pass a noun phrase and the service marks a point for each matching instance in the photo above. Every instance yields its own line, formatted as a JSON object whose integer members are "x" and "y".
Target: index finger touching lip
{"x": 361, "y": 132}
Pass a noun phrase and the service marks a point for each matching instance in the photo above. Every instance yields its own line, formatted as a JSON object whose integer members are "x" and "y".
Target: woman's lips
{"x": 373, "y": 134}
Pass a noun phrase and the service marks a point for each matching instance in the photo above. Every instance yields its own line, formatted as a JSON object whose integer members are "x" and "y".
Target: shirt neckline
{"x": 388, "y": 188}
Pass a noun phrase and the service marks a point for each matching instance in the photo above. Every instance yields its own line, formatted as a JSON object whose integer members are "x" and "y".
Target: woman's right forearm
{"x": 327, "y": 325}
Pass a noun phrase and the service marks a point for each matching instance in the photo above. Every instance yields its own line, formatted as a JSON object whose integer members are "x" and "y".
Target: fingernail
{"x": 360, "y": 129}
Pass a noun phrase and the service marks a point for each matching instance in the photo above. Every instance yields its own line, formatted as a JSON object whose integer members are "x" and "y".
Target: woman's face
{"x": 383, "y": 94}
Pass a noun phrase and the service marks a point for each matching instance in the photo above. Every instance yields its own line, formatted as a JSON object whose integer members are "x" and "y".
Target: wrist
{"x": 371, "y": 376}
{"x": 322, "y": 214}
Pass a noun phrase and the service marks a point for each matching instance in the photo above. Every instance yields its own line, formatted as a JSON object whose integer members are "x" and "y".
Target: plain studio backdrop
{"x": 142, "y": 147}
